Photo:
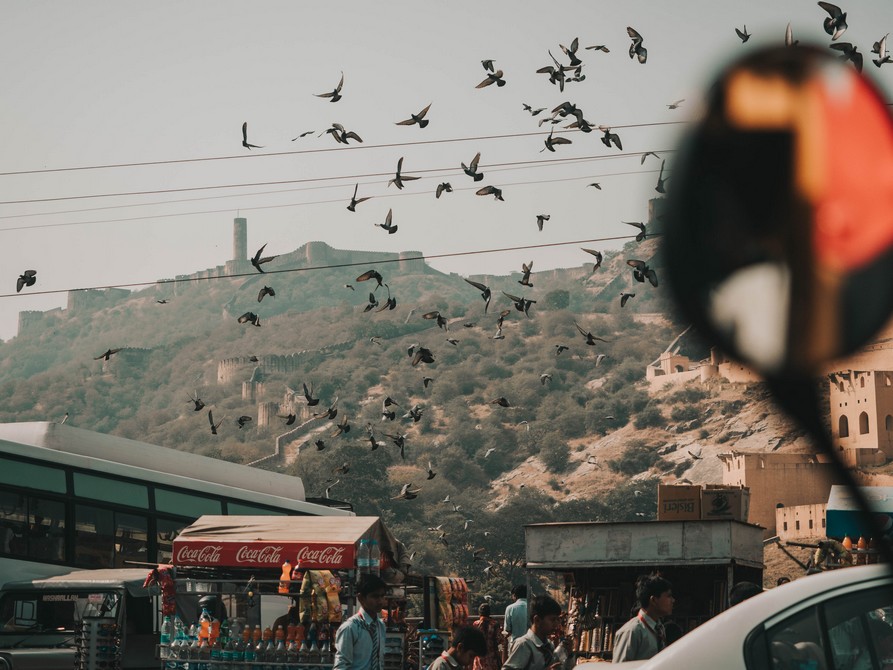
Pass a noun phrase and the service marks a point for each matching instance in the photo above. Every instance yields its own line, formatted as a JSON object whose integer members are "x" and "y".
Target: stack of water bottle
{"x": 235, "y": 646}
{"x": 368, "y": 558}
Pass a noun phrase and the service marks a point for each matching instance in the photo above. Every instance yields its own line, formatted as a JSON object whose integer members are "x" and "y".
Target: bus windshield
{"x": 29, "y": 618}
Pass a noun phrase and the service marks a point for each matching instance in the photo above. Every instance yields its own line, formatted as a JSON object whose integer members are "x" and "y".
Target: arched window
{"x": 843, "y": 427}
{"x": 679, "y": 368}
{"x": 840, "y": 386}
{"x": 888, "y": 423}
{"x": 862, "y": 382}
{"x": 887, "y": 381}
{"x": 863, "y": 423}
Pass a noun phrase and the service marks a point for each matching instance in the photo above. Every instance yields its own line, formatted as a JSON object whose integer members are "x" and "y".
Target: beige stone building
{"x": 800, "y": 521}
{"x": 778, "y": 479}
{"x": 862, "y": 414}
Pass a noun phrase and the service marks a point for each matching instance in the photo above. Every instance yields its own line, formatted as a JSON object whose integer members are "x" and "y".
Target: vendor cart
{"x": 233, "y": 577}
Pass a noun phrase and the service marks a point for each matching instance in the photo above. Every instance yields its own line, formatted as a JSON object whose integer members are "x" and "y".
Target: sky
{"x": 90, "y": 85}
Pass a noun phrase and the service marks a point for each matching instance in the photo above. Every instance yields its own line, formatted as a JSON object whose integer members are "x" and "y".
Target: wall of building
{"x": 789, "y": 479}
{"x": 861, "y": 404}
{"x": 800, "y": 521}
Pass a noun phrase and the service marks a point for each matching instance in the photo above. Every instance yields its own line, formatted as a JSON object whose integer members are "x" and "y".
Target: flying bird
{"x": 422, "y": 355}
{"x": 696, "y": 454}
{"x": 107, "y": 354}
{"x": 243, "y": 421}
{"x": 342, "y": 427}
{"x": 533, "y": 112}
{"x": 399, "y": 178}
{"x": 501, "y": 401}
{"x": 331, "y": 486}
{"x": 308, "y": 394}
{"x": 550, "y": 141}
{"x": 600, "y": 47}
{"x": 427, "y": 380}
{"x": 320, "y": 445}
{"x": 642, "y": 234}
{"x": 371, "y": 274}
{"x": 641, "y": 271}
{"x": 245, "y": 138}
{"x": 559, "y": 348}
{"x": 416, "y": 118}
{"x": 27, "y": 278}
{"x": 661, "y": 182}
{"x": 743, "y": 35}
{"x": 289, "y": 418}
{"x": 330, "y": 413}
{"x": 472, "y": 168}
{"x": 490, "y": 190}
{"x": 415, "y": 413}
{"x": 571, "y": 52}
{"x": 835, "y": 24}
{"x": 354, "y": 201}
{"x": 304, "y": 134}
{"x": 250, "y": 317}
{"x": 342, "y": 469}
{"x": 525, "y": 278}
{"x": 596, "y": 184}
{"x": 487, "y": 64}
{"x": 598, "y": 258}
{"x": 880, "y": 48}
{"x": 485, "y": 292}
{"x": 334, "y": 95}
{"x": 387, "y": 223}
{"x": 439, "y": 318}
{"x": 488, "y": 452}
{"x": 789, "y": 40}
{"x": 341, "y": 134}
{"x": 445, "y": 186}
{"x": 257, "y": 261}
{"x": 431, "y": 473}
{"x": 521, "y": 304}
{"x": 265, "y": 291}
{"x": 646, "y": 155}
{"x": 611, "y": 138}
{"x": 675, "y": 104}
{"x": 588, "y": 336}
{"x": 624, "y": 298}
{"x": 199, "y": 405}
{"x": 849, "y": 52}
{"x": 214, "y": 426}
{"x": 163, "y": 301}
{"x": 372, "y": 304}
{"x": 555, "y": 72}
{"x": 637, "y": 48}
{"x": 493, "y": 78}
{"x": 545, "y": 377}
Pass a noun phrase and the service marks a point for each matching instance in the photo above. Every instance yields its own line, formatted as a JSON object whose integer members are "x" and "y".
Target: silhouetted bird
{"x": 308, "y": 394}
{"x": 521, "y": 303}
{"x": 588, "y": 336}
{"x": 472, "y": 168}
{"x": 265, "y": 291}
{"x": 490, "y": 190}
{"x": 399, "y": 178}
{"x": 387, "y": 225}
{"x": 335, "y": 95}
{"x": 243, "y": 421}
{"x": 641, "y": 271}
{"x": 637, "y": 47}
{"x": 743, "y": 35}
{"x": 835, "y": 24}
{"x": 257, "y": 261}
{"x": 493, "y": 78}
{"x": 416, "y": 118}
{"x": 445, "y": 186}
{"x": 27, "y": 278}
{"x": 245, "y": 138}
{"x": 370, "y": 274}
{"x": 485, "y": 293}
{"x": 354, "y": 201}
{"x": 199, "y": 405}
{"x": 214, "y": 426}
{"x": 107, "y": 354}
{"x": 624, "y": 298}
{"x": 250, "y": 317}
{"x": 526, "y": 270}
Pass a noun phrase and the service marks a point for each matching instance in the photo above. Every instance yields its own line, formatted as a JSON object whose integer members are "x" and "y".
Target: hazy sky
{"x": 99, "y": 83}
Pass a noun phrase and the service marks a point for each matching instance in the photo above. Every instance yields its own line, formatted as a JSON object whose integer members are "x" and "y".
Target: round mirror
{"x": 779, "y": 235}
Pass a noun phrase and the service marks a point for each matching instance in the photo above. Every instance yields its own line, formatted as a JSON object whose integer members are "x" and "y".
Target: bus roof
{"x": 130, "y": 578}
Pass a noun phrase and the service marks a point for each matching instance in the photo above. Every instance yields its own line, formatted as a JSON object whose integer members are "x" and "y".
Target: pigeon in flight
{"x": 250, "y": 317}
{"x": 502, "y": 401}
{"x": 199, "y": 405}
{"x": 257, "y": 261}
{"x": 598, "y": 258}
{"x": 533, "y": 112}
{"x": 540, "y": 219}
{"x": 342, "y": 427}
{"x": 372, "y": 304}
{"x": 27, "y": 278}
{"x": 637, "y": 48}
{"x": 491, "y": 190}
{"x": 555, "y": 72}
{"x": 304, "y": 134}
{"x": 487, "y": 64}
{"x": 849, "y": 52}
{"x": 427, "y": 380}
{"x": 696, "y": 454}
{"x": 526, "y": 270}
{"x": 485, "y": 293}
{"x": 550, "y": 141}
{"x": 320, "y": 445}
{"x": 521, "y": 304}
{"x": 488, "y": 452}
{"x": 243, "y": 421}
{"x": 391, "y": 302}
{"x": 107, "y": 354}
{"x": 289, "y": 418}
{"x": 416, "y": 118}
{"x": 422, "y": 355}
{"x": 399, "y": 178}
{"x": 331, "y": 486}
{"x": 743, "y": 35}
{"x": 438, "y": 317}
{"x": 661, "y": 182}
{"x": 646, "y": 155}
{"x": 642, "y": 234}
{"x": 588, "y": 336}
{"x": 371, "y": 274}
{"x": 354, "y": 201}
{"x": 611, "y": 138}
{"x": 835, "y": 24}
{"x": 387, "y": 224}
{"x": 342, "y": 469}
{"x": 880, "y": 48}
{"x": 329, "y": 413}
{"x": 789, "y": 40}
{"x": 571, "y": 52}
{"x": 341, "y": 135}
{"x": 600, "y": 47}
{"x": 265, "y": 291}
{"x": 472, "y": 168}
{"x": 559, "y": 348}
{"x": 445, "y": 186}
{"x": 415, "y": 413}
{"x": 163, "y": 301}
{"x": 596, "y": 184}
{"x": 214, "y": 426}
{"x": 493, "y": 78}
{"x": 641, "y": 271}
{"x": 334, "y": 95}
{"x": 308, "y": 394}
{"x": 245, "y": 138}
{"x": 624, "y": 298}
{"x": 545, "y": 377}
{"x": 676, "y": 104}
{"x": 598, "y": 361}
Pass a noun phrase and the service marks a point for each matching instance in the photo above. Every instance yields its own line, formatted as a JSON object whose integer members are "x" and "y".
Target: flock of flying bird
{"x": 560, "y": 74}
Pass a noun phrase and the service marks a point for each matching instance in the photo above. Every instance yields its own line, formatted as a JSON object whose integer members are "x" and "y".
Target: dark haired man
{"x": 516, "y": 621}
{"x": 643, "y": 636}
{"x": 467, "y": 644}
{"x": 533, "y": 651}
{"x": 359, "y": 642}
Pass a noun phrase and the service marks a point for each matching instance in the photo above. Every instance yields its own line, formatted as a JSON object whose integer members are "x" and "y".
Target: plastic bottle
{"x": 297, "y": 574}
{"x": 847, "y": 543}
{"x": 204, "y": 622}
{"x": 204, "y": 654}
{"x": 862, "y": 546}
{"x": 291, "y": 655}
{"x": 192, "y": 654}
{"x": 285, "y": 577}
{"x": 374, "y": 558}
{"x": 164, "y": 643}
{"x": 248, "y": 653}
{"x": 363, "y": 557}
{"x": 279, "y": 655}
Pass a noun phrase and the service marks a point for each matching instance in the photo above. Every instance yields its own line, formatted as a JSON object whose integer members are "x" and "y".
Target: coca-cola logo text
{"x": 208, "y": 554}
{"x": 268, "y": 554}
{"x": 321, "y": 556}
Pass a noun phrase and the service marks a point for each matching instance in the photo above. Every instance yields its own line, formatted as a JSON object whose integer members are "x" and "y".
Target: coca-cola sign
{"x": 198, "y": 555}
{"x": 264, "y": 554}
{"x": 267, "y": 555}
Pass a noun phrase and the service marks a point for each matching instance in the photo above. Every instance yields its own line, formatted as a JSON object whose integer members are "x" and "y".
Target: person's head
{"x": 371, "y": 593}
{"x": 468, "y": 642}
{"x": 742, "y": 591}
{"x": 484, "y": 609}
{"x": 655, "y": 595}
{"x": 544, "y": 616}
{"x": 519, "y": 591}
{"x": 782, "y": 580}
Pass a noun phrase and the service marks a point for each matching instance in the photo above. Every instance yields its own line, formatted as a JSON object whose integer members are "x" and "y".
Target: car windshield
{"x": 39, "y": 618}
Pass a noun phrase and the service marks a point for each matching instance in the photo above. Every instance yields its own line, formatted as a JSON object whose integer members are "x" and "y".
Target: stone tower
{"x": 862, "y": 410}
{"x": 240, "y": 239}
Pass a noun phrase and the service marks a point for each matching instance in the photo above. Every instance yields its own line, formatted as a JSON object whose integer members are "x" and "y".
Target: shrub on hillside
{"x": 635, "y": 459}
{"x": 649, "y": 417}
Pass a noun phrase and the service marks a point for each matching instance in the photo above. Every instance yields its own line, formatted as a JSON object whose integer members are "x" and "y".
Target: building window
{"x": 810, "y": 524}
{"x": 888, "y": 422}
{"x": 863, "y": 423}
{"x": 679, "y": 368}
{"x": 862, "y": 382}
{"x": 843, "y": 427}
{"x": 797, "y": 524}
{"x": 823, "y": 522}
{"x": 840, "y": 385}
{"x": 887, "y": 381}
{"x": 786, "y": 526}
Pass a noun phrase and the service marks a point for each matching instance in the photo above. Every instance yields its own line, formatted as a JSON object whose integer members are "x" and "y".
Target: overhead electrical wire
{"x": 420, "y": 257}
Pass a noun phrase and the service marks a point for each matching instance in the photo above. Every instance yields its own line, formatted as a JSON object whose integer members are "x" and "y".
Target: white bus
{"x": 73, "y": 498}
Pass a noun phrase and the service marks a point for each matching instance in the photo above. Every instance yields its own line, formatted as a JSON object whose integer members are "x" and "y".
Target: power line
{"x": 421, "y": 257}
{"x": 305, "y": 204}
{"x": 312, "y": 151}
{"x": 301, "y": 181}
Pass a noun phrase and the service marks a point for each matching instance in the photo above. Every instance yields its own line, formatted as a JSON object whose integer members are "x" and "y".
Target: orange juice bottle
{"x": 285, "y": 577}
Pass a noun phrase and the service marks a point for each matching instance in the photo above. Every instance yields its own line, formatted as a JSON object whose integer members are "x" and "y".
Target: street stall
{"x": 273, "y": 590}
{"x": 600, "y": 562}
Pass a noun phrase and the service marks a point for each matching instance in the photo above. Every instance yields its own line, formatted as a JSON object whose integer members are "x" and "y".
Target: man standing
{"x": 643, "y": 636}
{"x": 515, "y": 624}
{"x": 533, "y": 651}
{"x": 359, "y": 642}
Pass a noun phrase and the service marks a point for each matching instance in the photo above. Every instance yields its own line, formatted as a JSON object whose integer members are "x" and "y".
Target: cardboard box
{"x": 676, "y": 502}
{"x": 720, "y": 501}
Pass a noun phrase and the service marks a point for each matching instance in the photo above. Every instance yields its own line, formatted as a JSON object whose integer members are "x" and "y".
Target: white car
{"x": 840, "y": 620}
